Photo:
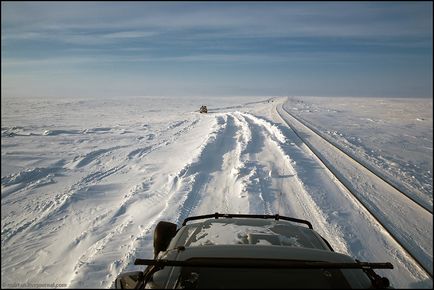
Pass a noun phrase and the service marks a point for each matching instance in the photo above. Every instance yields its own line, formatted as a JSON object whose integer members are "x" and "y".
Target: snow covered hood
{"x": 248, "y": 232}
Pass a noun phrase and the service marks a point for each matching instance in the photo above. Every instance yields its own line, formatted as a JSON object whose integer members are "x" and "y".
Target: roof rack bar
{"x": 226, "y": 215}
{"x": 261, "y": 263}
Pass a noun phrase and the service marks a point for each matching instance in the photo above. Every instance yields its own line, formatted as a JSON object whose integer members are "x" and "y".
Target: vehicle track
{"x": 374, "y": 171}
{"x": 344, "y": 184}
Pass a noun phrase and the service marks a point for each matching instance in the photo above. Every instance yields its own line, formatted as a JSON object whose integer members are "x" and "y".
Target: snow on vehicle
{"x": 248, "y": 251}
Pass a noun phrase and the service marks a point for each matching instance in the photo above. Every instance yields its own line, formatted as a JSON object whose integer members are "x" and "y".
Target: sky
{"x": 111, "y": 49}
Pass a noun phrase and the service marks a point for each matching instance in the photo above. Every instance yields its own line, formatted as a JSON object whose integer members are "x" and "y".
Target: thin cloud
{"x": 232, "y": 58}
{"x": 225, "y": 19}
{"x": 81, "y": 38}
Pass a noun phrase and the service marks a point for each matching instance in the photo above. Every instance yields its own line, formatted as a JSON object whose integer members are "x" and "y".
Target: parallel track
{"x": 363, "y": 164}
{"x": 351, "y": 191}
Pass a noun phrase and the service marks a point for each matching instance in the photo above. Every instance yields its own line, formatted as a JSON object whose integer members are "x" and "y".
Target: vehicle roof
{"x": 251, "y": 238}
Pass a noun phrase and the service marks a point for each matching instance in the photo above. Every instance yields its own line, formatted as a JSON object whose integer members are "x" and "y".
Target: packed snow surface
{"x": 84, "y": 182}
{"x": 394, "y": 135}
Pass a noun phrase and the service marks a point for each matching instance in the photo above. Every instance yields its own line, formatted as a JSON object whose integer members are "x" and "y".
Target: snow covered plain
{"x": 394, "y": 135}
{"x": 85, "y": 181}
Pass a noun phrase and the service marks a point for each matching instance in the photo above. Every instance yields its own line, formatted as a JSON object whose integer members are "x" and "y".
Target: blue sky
{"x": 79, "y": 49}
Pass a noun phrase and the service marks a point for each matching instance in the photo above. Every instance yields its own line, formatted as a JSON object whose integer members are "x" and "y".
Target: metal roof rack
{"x": 225, "y": 215}
{"x": 261, "y": 263}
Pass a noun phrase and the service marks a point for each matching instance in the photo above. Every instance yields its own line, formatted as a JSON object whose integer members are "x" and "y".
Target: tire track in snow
{"x": 226, "y": 186}
{"x": 197, "y": 177}
{"x": 221, "y": 176}
{"x": 412, "y": 194}
{"x": 252, "y": 171}
{"x": 238, "y": 194}
{"x": 401, "y": 256}
{"x": 283, "y": 181}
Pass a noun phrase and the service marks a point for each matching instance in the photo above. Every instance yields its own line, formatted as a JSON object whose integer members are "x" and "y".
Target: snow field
{"x": 80, "y": 199}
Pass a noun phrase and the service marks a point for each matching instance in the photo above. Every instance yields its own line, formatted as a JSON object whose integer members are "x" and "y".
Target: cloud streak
{"x": 234, "y": 19}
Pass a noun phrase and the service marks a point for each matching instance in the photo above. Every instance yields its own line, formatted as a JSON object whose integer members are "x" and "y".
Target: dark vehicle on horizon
{"x": 248, "y": 251}
{"x": 203, "y": 109}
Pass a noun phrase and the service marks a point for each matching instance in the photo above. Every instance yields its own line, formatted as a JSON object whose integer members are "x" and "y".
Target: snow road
{"x": 82, "y": 213}
{"x": 408, "y": 222}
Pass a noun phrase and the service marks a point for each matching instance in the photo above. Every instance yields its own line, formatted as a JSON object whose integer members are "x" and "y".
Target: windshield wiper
{"x": 258, "y": 216}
